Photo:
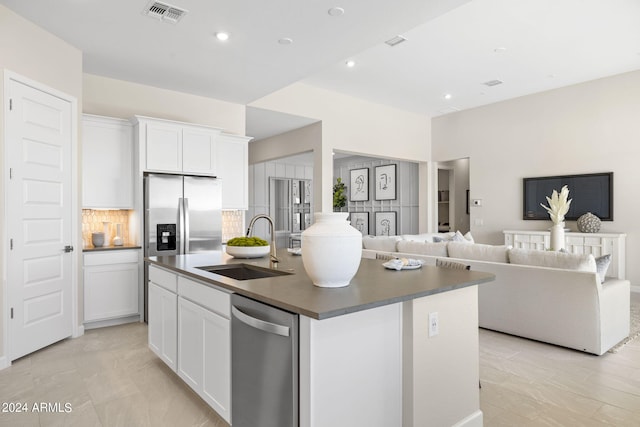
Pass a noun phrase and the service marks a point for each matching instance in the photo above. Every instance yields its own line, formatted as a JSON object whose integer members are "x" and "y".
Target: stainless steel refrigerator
{"x": 182, "y": 214}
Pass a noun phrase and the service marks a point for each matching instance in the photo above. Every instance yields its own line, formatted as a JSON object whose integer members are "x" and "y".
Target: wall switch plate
{"x": 477, "y": 202}
{"x": 434, "y": 327}
{"x": 478, "y": 221}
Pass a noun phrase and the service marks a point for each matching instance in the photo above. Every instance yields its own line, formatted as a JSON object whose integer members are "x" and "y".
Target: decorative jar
{"x": 331, "y": 250}
{"x": 557, "y": 237}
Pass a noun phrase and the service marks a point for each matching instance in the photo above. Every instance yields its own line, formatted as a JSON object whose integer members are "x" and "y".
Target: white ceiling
{"x": 450, "y": 48}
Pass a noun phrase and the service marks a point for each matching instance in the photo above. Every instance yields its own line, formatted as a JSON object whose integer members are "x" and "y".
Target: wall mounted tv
{"x": 590, "y": 193}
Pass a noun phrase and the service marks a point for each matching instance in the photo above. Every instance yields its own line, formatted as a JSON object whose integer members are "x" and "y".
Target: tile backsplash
{"x": 232, "y": 224}
{"x": 93, "y": 221}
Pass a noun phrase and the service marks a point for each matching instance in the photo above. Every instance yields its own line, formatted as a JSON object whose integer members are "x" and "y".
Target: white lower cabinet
{"x": 190, "y": 330}
{"x": 163, "y": 324}
{"x": 110, "y": 285}
{"x": 204, "y": 355}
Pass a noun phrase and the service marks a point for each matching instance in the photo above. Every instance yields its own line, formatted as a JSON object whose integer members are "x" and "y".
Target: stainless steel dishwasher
{"x": 264, "y": 365}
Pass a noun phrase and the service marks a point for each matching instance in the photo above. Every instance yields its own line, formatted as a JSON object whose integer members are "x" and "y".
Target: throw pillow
{"x": 602, "y": 264}
{"x": 458, "y": 237}
{"x": 469, "y": 237}
{"x": 437, "y": 239}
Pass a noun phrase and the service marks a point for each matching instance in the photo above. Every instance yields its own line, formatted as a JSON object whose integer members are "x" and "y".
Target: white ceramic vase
{"x": 331, "y": 250}
{"x": 557, "y": 237}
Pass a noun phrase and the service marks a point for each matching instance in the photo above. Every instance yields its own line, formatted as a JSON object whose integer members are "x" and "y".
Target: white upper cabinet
{"x": 107, "y": 163}
{"x": 199, "y": 150}
{"x": 233, "y": 168}
{"x": 167, "y": 146}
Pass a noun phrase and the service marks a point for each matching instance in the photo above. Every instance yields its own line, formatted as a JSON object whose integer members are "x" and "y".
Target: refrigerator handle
{"x": 186, "y": 225}
{"x": 181, "y": 230}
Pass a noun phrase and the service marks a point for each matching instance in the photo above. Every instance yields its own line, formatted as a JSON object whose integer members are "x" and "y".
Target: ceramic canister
{"x": 331, "y": 250}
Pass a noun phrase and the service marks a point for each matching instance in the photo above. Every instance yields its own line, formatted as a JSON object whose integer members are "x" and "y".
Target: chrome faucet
{"x": 272, "y": 255}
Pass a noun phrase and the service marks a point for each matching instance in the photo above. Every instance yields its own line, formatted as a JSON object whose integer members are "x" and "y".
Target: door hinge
{"x": 12, "y": 312}
{"x": 11, "y": 244}
{"x": 10, "y": 173}
{"x": 10, "y": 104}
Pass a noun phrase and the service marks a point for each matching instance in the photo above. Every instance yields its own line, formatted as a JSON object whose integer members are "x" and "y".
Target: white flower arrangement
{"x": 558, "y": 205}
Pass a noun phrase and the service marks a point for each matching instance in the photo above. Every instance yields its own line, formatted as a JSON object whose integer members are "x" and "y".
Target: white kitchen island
{"x": 366, "y": 357}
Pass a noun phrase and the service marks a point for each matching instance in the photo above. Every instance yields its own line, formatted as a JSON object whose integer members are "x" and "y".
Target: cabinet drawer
{"x": 163, "y": 278}
{"x": 212, "y": 299}
{"x": 111, "y": 257}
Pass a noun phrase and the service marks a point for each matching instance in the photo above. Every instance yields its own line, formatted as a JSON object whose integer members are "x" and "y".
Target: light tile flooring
{"x": 110, "y": 378}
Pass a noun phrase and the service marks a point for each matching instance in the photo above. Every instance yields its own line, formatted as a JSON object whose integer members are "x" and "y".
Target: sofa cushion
{"x": 380, "y": 243}
{"x": 478, "y": 252}
{"x": 602, "y": 264}
{"x": 423, "y": 248}
{"x": 427, "y": 237}
{"x": 553, "y": 259}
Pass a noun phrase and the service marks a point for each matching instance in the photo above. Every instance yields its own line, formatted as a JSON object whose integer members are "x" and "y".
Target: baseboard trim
{"x": 473, "y": 420}
{"x": 111, "y": 322}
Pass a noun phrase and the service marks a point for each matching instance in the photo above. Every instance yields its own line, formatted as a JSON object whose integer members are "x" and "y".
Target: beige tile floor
{"x": 110, "y": 378}
{"x": 527, "y": 383}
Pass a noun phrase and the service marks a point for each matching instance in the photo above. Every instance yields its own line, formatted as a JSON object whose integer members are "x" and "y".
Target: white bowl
{"x": 248, "y": 251}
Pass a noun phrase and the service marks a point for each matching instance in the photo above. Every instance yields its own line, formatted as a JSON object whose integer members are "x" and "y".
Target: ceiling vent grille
{"x": 493, "y": 83}
{"x": 164, "y": 12}
{"x": 394, "y": 41}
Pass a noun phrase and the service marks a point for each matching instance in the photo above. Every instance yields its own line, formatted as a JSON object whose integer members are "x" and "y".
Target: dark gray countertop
{"x": 372, "y": 286}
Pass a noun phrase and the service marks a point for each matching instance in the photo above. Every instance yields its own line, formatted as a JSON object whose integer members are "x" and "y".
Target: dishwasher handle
{"x": 272, "y": 328}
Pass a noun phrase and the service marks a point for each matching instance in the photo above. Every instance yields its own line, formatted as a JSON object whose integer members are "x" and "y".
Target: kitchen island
{"x": 366, "y": 354}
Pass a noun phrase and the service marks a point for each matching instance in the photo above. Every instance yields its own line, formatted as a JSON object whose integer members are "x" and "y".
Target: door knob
{"x": 68, "y": 248}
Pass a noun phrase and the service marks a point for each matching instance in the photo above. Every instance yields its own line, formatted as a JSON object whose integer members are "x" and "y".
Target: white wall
{"x": 117, "y": 98}
{"x": 406, "y": 203}
{"x": 584, "y": 128}
{"x": 34, "y": 53}
{"x": 352, "y": 125}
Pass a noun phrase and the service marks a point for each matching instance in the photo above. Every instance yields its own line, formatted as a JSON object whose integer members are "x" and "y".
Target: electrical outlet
{"x": 434, "y": 327}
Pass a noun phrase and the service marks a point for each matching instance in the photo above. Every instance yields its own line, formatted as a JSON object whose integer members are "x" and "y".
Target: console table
{"x": 597, "y": 244}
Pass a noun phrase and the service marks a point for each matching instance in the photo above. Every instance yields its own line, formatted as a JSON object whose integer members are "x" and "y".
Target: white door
{"x": 38, "y": 142}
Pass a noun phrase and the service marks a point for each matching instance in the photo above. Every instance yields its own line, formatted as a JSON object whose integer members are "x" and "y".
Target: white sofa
{"x": 569, "y": 307}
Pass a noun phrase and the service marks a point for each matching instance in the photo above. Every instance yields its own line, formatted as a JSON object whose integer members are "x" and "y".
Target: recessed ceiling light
{"x": 285, "y": 41}
{"x": 222, "y": 36}
{"x": 350, "y": 63}
{"x": 447, "y": 96}
{"x": 500, "y": 49}
{"x": 336, "y": 11}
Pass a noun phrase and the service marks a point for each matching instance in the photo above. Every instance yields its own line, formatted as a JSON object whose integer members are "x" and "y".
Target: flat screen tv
{"x": 589, "y": 193}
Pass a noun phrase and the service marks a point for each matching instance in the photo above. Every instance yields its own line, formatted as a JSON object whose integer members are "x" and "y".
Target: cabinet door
{"x": 204, "y": 355}
{"x": 163, "y": 324}
{"x": 110, "y": 291}
{"x": 163, "y": 147}
{"x": 190, "y": 343}
{"x": 107, "y": 158}
{"x": 233, "y": 168}
{"x": 199, "y": 151}
{"x": 216, "y": 382}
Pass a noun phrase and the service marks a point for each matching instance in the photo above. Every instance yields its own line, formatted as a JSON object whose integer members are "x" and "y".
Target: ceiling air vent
{"x": 493, "y": 83}
{"x": 164, "y": 12}
{"x": 394, "y": 41}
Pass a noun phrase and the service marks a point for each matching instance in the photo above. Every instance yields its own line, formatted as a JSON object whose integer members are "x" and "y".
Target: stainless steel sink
{"x": 243, "y": 271}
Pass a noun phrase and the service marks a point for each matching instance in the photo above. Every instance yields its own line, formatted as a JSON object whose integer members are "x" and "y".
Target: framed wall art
{"x": 360, "y": 221}
{"x": 385, "y": 223}
{"x": 359, "y": 185}
{"x": 385, "y": 182}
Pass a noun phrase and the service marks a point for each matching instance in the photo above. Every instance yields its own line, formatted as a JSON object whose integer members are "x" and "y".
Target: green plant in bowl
{"x": 247, "y": 241}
